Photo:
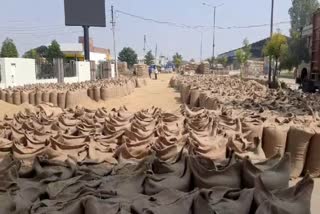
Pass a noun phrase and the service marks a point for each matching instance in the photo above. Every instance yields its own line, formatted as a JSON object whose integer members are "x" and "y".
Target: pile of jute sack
{"x": 68, "y": 95}
{"x": 96, "y": 161}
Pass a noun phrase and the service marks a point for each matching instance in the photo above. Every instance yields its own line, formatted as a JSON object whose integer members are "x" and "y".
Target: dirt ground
{"x": 156, "y": 93}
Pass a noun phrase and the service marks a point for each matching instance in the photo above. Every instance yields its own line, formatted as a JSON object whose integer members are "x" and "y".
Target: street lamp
{"x": 271, "y": 32}
{"x": 214, "y": 24}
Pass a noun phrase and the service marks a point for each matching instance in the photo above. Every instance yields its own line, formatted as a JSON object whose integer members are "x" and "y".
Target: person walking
{"x": 156, "y": 72}
{"x": 150, "y": 70}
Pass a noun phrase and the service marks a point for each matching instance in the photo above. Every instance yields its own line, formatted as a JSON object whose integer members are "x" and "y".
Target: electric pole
{"x": 271, "y": 33}
{"x": 201, "y": 47}
{"x": 144, "y": 44}
{"x": 214, "y": 26}
{"x": 114, "y": 43}
{"x": 156, "y": 53}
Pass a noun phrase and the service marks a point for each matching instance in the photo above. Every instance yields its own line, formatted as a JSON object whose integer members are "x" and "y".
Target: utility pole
{"x": 271, "y": 33}
{"x": 114, "y": 43}
{"x": 214, "y": 26}
{"x": 156, "y": 53}
{"x": 144, "y": 44}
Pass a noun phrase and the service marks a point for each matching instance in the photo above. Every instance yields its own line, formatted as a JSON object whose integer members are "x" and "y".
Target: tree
{"x": 192, "y": 60}
{"x": 301, "y": 15}
{"x": 211, "y": 61}
{"x": 54, "y": 51}
{"x": 31, "y": 54}
{"x": 128, "y": 55}
{"x": 42, "y": 51}
{"x": 149, "y": 58}
{"x": 9, "y": 49}
{"x": 177, "y": 60}
{"x": 275, "y": 48}
{"x": 243, "y": 55}
{"x": 223, "y": 61}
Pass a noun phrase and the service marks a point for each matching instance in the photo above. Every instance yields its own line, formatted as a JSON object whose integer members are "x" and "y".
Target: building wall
{"x": 17, "y": 71}
{"x": 97, "y": 57}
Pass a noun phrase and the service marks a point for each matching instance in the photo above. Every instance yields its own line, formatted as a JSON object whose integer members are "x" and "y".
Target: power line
{"x": 197, "y": 27}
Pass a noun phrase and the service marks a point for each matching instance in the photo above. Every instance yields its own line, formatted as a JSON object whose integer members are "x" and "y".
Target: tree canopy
{"x": 128, "y": 55}
{"x": 9, "y": 49}
{"x": 31, "y": 54}
{"x": 244, "y": 54}
{"x": 149, "y": 58}
{"x": 301, "y": 14}
{"x": 223, "y": 61}
{"x": 177, "y": 60}
{"x": 54, "y": 51}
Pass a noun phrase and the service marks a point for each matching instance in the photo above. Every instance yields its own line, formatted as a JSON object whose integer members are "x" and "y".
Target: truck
{"x": 308, "y": 73}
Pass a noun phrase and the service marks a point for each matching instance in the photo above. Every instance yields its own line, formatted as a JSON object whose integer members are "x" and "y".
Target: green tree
{"x": 177, "y": 60}
{"x": 54, "y": 51}
{"x": 243, "y": 55}
{"x": 149, "y": 58}
{"x": 128, "y": 55}
{"x": 223, "y": 61}
{"x": 9, "y": 49}
{"x": 211, "y": 61}
{"x": 276, "y": 47}
{"x": 31, "y": 54}
{"x": 301, "y": 14}
{"x": 42, "y": 51}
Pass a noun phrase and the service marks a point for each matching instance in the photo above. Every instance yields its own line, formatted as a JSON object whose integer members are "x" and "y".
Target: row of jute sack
{"x": 107, "y": 91}
{"x": 68, "y": 98}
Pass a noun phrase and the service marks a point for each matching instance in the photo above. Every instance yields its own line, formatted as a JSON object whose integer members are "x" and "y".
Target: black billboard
{"x": 85, "y": 13}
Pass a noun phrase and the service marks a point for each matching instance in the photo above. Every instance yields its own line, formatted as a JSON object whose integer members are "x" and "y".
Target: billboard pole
{"x": 86, "y": 43}
{"x": 114, "y": 43}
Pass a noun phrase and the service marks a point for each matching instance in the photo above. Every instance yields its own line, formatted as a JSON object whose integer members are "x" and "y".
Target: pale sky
{"x": 36, "y": 22}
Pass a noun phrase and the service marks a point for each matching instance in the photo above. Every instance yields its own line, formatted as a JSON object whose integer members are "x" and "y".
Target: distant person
{"x": 156, "y": 72}
{"x": 150, "y": 70}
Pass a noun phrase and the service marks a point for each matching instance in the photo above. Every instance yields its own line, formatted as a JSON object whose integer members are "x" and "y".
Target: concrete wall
{"x": 97, "y": 57}
{"x": 17, "y": 71}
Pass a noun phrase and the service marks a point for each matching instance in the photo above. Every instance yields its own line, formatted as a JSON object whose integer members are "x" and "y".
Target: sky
{"x": 37, "y": 22}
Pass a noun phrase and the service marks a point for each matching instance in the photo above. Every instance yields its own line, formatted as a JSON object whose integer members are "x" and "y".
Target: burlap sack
{"x": 3, "y": 95}
{"x": 203, "y": 98}
{"x": 38, "y": 99}
{"x": 185, "y": 93}
{"x": 212, "y": 103}
{"x": 24, "y": 97}
{"x": 274, "y": 140}
{"x": 312, "y": 165}
{"x": 90, "y": 93}
{"x": 106, "y": 92}
{"x": 9, "y": 97}
{"x": 297, "y": 145}
{"x": 194, "y": 97}
{"x": 96, "y": 93}
{"x": 16, "y": 97}
{"x": 46, "y": 96}
{"x": 53, "y": 98}
{"x": 72, "y": 98}
{"x": 62, "y": 100}
{"x": 32, "y": 98}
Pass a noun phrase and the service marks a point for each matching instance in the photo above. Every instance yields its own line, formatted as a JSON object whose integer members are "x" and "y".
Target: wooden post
{"x": 93, "y": 71}
{"x": 58, "y": 69}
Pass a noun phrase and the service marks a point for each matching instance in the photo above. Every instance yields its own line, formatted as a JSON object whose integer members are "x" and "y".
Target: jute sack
{"x": 194, "y": 97}
{"x": 53, "y": 98}
{"x": 46, "y": 96}
{"x": 297, "y": 145}
{"x": 9, "y": 97}
{"x": 185, "y": 93}
{"x": 24, "y": 97}
{"x": 274, "y": 140}
{"x": 3, "y": 95}
{"x": 203, "y": 98}
{"x": 38, "y": 97}
{"x": 62, "y": 100}
{"x": 32, "y": 98}
{"x": 90, "y": 92}
{"x": 72, "y": 98}
{"x": 16, "y": 97}
{"x": 212, "y": 103}
{"x": 96, "y": 93}
{"x": 107, "y": 92}
{"x": 312, "y": 165}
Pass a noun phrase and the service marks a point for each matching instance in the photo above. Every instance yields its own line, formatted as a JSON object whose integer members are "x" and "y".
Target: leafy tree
{"x": 9, "y": 49}
{"x": 223, "y": 61}
{"x": 301, "y": 14}
{"x": 128, "y": 55}
{"x": 276, "y": 47}
{"x": 31, "y": 54}
{"x": 149, "y": 58}
{"x": 54, "y": 51}
{"x": 211, "y": 61}
{"x": 192, "y": 60}
{"x": 243, "y": 55}
{"x": 177, "y": 60}
{"x": 42, "y": 51}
